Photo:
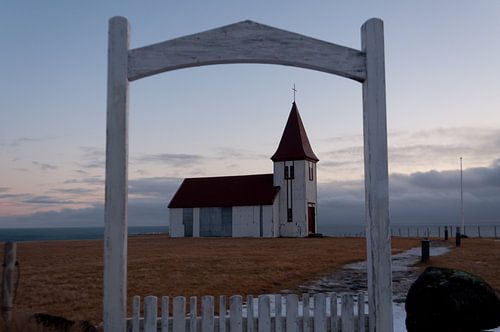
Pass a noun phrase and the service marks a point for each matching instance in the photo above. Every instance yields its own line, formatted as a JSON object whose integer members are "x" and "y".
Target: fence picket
{"x": 164, "y": 314}
{"x": 235, "y": 319}
{"x": 292, "y": 304}
{"x": 305, "y": 312}
{"x": 250, "y": 325}
{"x": 193, "y": 303}
{"x": 334, "y": 325}
{"x": 179, "y": 314}
{"x": 222, "y": 313}
{"x": 361, "y": 312}
{"x": 150, "y": 313}
{"x": 136, "y": 313}
{"x": 278, "y": 320}
{"x": 347, "y": 316}
{"x": 319, "y": 312}
{"x": 315, "y": 316}
{"x": 207, "y": 314}
{"x": 264, "y": 324}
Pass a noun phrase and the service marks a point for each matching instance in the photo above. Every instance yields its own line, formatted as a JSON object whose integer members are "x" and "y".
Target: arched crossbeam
{"x": 246, "y": 42}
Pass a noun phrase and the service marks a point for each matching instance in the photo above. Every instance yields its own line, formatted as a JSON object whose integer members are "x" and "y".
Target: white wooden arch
{"x": 248, "y": 42}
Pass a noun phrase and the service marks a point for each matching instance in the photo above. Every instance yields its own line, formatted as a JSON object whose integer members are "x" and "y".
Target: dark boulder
{"x": 449, "y": 300}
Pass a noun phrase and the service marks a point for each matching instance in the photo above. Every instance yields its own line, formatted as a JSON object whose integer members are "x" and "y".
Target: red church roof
{"x": 225, "y": 191}
{"x": 294, "y": 144}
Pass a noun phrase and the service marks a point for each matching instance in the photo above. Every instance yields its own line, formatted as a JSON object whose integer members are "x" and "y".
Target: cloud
{"x": 16, "y": 142}
{"x": 159, "y": 188}
{"x": 44, "y": 167}
{"x": 172, "y": 159}
{"x": 44, "y": 199}
{"x": 4, "y": 189}
{"x": 420, "y": 197}
{"x": 93, "y": 157}
{"x": 415, "y": 198}
{"x": 74, "y": 191}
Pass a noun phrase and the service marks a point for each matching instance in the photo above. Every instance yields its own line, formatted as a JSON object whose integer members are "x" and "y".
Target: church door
{"x": 311, "y": 217}
{"x": 187, "y": 220}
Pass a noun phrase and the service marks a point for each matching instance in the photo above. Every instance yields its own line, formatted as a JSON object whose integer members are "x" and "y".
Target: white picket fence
{"x": 327, "y": 312}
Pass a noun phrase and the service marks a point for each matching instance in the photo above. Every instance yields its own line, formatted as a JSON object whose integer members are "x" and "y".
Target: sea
{"x": 91, "y": 233}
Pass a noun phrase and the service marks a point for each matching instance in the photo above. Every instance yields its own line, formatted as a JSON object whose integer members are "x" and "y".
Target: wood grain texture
{"x": 116, "y": 196}
{"x": 235, "y": 316}
{"x": 150, "y": 313}
{"x": 320, "y": 312}
{"x": 136, "y": 313}
{"x": 164, "y": 313}
{"x": 292, "y": 303}
{"x": 246, "y": 42}
{"x": 376, "y": 179}
{"x": 347, "y": 316}
{"x": 179, "y": 314}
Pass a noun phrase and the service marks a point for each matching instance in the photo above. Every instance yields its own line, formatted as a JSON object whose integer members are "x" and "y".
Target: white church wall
{"x": 246, "y": 221}
{"x": 176, "y": 226}
{"x": 267, "y": 221}
{"x": 276, "y": 217}
{"x": 196, "y": 222}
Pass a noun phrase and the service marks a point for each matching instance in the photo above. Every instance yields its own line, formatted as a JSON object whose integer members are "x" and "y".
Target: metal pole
{"x": 461, "y": 198}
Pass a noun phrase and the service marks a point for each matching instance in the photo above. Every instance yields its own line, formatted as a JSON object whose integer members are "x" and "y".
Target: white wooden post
{"x": 361, "y": 312}
{"x": 264, "y": 324}
{"x": 136, "y": 314}
{"x": 207, "y": 314}
{"x": 179, "y": 314}
{"x": 222, "y": 313}
{"x": 347, "y": 314}
{"x": 319, "y": 312}
{"x": 164, "y": 313}
{"x": 150, "y": 313}
{"x": 278, "y": 321}
{"x": 193, "y": 312}
{"x": 333, "y": 313}
{"x": 235, "y": 319}
{"x": 250, "y": 315}
{"x": 115, "y": 215}
{"x": 305, "y": 312}
{"x": 376, "y": 179}
{"x": 292, "y": 324}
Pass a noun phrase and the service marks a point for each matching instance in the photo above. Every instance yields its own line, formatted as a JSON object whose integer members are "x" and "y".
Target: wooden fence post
{"x": 376, "y": 179}
{"x": 115, "y": 207}
{"x": 9, "y": 261}
{"x": 150, "y": 314}
{"x": 235, "y": 319}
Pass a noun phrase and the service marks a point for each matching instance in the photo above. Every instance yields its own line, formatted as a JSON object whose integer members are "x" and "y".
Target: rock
{"x": 449, "y": 300}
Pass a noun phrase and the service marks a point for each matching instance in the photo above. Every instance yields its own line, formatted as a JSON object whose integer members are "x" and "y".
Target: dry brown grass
{"x": 478, "y": 256}
{"x": 64, "y": 278}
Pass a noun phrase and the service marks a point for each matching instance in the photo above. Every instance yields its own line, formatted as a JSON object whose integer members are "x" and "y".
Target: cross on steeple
{"x": 294, "y": 90}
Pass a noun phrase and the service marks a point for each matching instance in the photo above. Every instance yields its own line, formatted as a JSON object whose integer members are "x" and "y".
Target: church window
{"x": 289, "y": 215}
{"x": 289, "y": 172}
{"x": 311, "y": 170}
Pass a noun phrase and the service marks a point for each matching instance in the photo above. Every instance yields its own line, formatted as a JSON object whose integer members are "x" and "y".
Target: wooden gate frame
{"x": 248, "y": 42}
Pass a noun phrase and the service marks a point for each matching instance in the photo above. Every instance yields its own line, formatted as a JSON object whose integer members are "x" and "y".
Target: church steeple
{"x": 294, "y": 144}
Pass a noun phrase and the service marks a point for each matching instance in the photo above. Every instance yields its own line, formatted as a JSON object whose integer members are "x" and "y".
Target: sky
{"x": 442, "y": 77}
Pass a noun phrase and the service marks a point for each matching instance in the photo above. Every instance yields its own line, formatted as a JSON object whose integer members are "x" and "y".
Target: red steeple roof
{"x": 294, "y": 144}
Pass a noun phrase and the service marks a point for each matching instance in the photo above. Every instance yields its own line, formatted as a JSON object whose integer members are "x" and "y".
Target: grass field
{"x": 64, "y": 278}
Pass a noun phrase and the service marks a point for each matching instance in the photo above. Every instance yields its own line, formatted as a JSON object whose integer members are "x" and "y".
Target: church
{"x": 281, "y": 204}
